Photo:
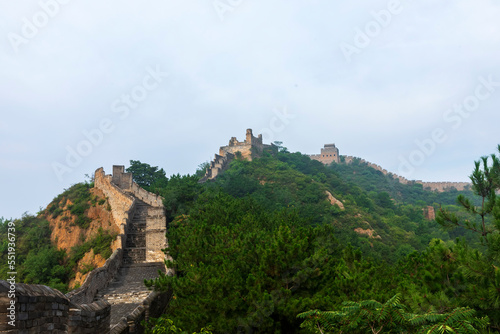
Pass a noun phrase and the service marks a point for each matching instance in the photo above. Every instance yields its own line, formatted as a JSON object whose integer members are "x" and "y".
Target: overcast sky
{"x": 413, "y": 86}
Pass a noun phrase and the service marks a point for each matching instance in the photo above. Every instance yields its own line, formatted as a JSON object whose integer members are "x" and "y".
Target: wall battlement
{"x": 330, "y": 154}
{"x": 433, "y": 186}
{"x": 41, "y": 309}
{"x": 123, "y": 194}
{"x": 252, "y": 147}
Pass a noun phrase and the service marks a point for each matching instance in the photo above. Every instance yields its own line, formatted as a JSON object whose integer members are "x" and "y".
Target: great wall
{"x": 249, "y": 149}
{"x": 253, "y": 147}
{"x": 113, "y": 298}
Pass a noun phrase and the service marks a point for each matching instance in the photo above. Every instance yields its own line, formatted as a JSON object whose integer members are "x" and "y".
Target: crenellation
{"x": 123, "y": 194}
{"x": 40, "y": 308}
{"x": 445, "y": 186}
{"x": 140, "y": 215}
{"x": 329, "y": 154}
{"x": 252, "y": 147}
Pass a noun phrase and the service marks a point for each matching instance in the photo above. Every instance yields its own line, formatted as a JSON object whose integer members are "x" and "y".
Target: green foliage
{"x": 79, "y": 195}
{"x": 166, "y": 326}
{"x": 263, "y": 243}
{"x": 147, "y": 176}
{"x": 484, "y": 184}
{"x": 37, "y": 261}
{"x": 370, "y": 179}
{"x": 243, "y": 267}
{"x": 100, "y": 243}
{"x": 370, "y": 316}
{"x": 480, "y": 265}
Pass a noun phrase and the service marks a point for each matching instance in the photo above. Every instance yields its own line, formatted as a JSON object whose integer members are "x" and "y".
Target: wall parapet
{"x": 122, "y": 204}
{"x": 433, "y": 186}
{"x": 146, "y": 196}
{"x": 40, "y": 309}
{"x": 153, "y": 306}
{"x": 444, "y": 186}
{"x": 97, "y": 279}
{"x": 217, "y": 166}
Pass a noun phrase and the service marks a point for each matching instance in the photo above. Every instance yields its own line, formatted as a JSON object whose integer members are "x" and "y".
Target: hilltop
{"x": 255, "y": 237}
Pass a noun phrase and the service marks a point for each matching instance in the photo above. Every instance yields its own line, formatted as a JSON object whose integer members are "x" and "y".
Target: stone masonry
{"x": 329, "y": 154}
{"x": 249, "y": 149}
{"x": 113, "y": 298}
{"x": 143, "y": 257}
{"x": 137, "y": 212}
{"x": 40, "y": 309}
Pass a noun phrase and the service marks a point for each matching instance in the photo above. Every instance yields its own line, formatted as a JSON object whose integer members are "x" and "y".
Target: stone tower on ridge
{"x": 252, "y": 147}
{"x": 329, "y": 154}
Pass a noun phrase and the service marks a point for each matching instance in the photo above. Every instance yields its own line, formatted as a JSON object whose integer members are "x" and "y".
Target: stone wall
{"x": 445, "y": 186}
{"x": 122, "y": 204}
{"x": 156, "y": 220}
{"x": 433, "y": 186}
{"x": 219, "y": 165}
{"x": 98, "y": 279}
{"x": 329, "y": 154}
{"x": 251, "y": 148}
{"x": 429, "y": 213}
{"x": 146, "y": 196}
{"x": 152, "y": 307}
{"x": 40, "y": 309}
{"x": 403, "y": 180}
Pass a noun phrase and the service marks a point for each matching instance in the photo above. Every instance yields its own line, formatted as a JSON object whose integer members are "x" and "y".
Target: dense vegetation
{"x": 262, "y": 244}
{"x": 38, "y": 261}
{"x": 265, "y": 249}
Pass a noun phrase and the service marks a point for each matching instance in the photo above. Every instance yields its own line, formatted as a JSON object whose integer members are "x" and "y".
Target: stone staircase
{"x": 135, "y": 250}
{"x": 127, "y": 290}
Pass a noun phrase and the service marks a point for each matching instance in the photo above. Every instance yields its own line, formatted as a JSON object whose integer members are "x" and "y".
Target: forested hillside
{"x": 284, "y": 244}
{"x": 51, "y": 245}
{"x": 264, "y": 243}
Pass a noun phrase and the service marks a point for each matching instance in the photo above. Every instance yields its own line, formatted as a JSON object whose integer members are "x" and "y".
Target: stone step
{"x": 136, "y": 240}
{"x": 126, "y": 298}
{"x": 134, "y": 255}
{"x": 136, "y": 228}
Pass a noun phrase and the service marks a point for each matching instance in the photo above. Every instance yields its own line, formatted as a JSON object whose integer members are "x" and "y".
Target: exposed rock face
{"x": 89, "y": 262}
{"x": 66, "y": 234}
{"x": 335, "y": 201}
{"x": 369, "y": 232}
{"x": 429, "y": 213}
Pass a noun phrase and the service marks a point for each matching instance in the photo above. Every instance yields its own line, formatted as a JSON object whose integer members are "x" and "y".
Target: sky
{"x": 411, "y": 86}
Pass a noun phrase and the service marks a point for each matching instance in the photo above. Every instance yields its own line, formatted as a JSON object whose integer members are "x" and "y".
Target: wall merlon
{"x": 40, "y": 308}
{"x": 433, "y": 186}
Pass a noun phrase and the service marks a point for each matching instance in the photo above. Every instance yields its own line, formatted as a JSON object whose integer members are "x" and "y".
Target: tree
{"x": 370, "y": 316}
{"x": 146, "y": 175}
{"x": 164, "y": 325}
{"x": 481, "y": 269}
{"x": 485, "y": 182}
{"x": 280, "y": 147}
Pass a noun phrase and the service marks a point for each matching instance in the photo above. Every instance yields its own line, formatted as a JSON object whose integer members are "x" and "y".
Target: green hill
{"x": 271, "y": 238}
{"x": 263, "y": 242}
